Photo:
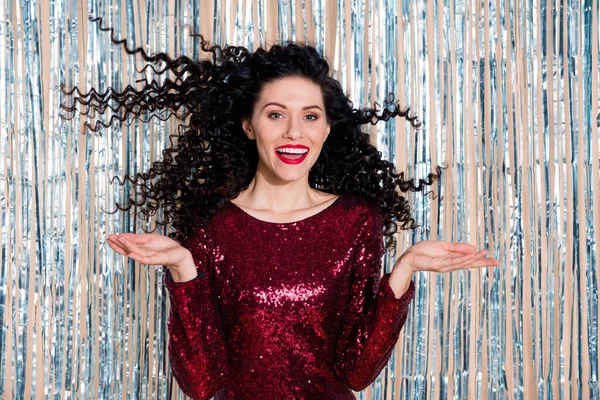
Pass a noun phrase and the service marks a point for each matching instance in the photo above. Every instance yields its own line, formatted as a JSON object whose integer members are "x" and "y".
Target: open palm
{"x": 443, "y": 256}
{"x": 149, "y": 248}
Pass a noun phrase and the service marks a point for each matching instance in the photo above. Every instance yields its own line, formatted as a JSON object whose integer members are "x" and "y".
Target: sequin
{"x": 294, "y": 310}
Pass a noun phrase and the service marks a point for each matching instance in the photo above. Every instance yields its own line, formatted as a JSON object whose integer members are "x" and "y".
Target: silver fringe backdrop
{"x": 508, "y": 94}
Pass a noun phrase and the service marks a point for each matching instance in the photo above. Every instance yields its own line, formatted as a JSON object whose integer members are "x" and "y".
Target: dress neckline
{"x": 310, "y": 217}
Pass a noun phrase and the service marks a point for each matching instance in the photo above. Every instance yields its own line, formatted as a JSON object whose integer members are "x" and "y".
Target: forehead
{"x": 292, "y": 91}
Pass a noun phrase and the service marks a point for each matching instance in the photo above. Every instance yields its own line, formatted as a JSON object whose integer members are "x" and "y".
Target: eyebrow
{"x": 282, "y": 106}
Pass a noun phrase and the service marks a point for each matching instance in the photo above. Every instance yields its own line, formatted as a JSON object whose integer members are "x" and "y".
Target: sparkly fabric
{"x": 293, "y": 310}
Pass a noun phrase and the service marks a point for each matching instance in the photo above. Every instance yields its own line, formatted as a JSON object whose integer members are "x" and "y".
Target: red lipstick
{"x": 297, "y": 158}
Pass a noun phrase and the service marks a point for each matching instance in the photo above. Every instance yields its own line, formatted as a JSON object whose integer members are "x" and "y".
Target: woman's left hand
{"x": 436, "y": 256}
{"x": 442, "y": 256}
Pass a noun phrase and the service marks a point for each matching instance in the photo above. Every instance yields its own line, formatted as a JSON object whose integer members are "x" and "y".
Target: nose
{"x": 294, "y": 129}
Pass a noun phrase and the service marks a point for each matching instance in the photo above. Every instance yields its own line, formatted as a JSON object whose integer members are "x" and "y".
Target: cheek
{"x": 263, "y": 131}
{"x": 268, "y": 136}
{"x": 320, "y": 132}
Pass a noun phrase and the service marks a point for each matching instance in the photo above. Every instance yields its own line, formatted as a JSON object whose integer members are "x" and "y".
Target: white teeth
{"x": 293, "y": 151}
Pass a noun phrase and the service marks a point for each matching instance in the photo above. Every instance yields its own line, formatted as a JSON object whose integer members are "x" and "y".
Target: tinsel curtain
{"x": 508, "y": 95}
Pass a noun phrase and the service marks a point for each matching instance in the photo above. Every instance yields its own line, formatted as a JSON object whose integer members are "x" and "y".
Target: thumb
{"x": 463, "y": 247}
{"x": 132, "y": 237}
{"x": 136, "y": 238}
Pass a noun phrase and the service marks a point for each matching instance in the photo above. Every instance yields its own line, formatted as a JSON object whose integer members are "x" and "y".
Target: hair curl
{"x": 212, "y": 160}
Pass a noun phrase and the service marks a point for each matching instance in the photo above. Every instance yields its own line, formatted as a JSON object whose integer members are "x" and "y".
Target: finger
{"x": 127, "y": 244}
{"x": 121, "y": 251}
{"x": 459, "y": 262}
{"x": 460, "y": 247}
{"x": 480, "y": 263}
{"x": 135, "y": 238}
{"x": 134, "y": 248}
{"x": 449, "y": 262}
{"x": 131, "y": 250}
{"x": 472, "y": 266}
{"x": 116, "y": 246}
{"x": 146, "y": 259}
{"x": 489, "y": 262}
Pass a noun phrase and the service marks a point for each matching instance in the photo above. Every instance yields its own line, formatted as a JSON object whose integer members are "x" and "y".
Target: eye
{"x": 274, "y": 113}
{"x": 312, "y": 115}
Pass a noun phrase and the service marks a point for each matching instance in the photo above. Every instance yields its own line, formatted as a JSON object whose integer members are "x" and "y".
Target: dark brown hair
{"x": 212, "y": 160}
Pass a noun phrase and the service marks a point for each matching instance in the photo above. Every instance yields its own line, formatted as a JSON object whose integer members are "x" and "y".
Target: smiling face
{"x": 289, "y": 112}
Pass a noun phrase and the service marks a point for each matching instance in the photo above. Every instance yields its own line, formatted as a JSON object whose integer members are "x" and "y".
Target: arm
{"x": 374, "y": 317}
{"x": 197, "y": 351}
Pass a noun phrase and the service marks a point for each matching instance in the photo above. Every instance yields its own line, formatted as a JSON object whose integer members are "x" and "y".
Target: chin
{"x": 292, "y": 176}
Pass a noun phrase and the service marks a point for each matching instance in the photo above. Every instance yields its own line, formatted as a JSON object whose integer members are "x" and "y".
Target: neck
{"x": 279, "y": 197}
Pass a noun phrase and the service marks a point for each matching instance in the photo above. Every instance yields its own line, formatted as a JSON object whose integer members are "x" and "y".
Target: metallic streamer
{"x": 508, "y": 96}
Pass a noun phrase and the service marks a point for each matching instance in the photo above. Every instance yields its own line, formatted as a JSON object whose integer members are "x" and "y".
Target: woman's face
{"x": 289, "y": 112}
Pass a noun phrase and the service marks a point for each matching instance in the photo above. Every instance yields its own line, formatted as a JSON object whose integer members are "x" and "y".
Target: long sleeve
{"x": 374, "y": 317}
{"x": 197, "y": 351}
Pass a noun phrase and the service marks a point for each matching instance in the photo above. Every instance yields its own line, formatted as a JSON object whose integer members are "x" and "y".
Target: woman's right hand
{"x": 154, "y": 249}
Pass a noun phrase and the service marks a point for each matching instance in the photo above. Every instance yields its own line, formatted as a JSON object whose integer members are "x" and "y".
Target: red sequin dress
{"x": 294, "y": 310}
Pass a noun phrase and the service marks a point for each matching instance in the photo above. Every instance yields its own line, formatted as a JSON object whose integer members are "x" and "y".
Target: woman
{"x": 279, "y": 204}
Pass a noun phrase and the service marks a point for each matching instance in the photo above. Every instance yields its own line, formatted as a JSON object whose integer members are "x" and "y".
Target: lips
{"x": 289, "y": 160}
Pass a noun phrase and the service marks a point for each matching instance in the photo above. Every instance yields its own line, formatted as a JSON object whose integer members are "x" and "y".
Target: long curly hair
{"x": 212, "y": 160}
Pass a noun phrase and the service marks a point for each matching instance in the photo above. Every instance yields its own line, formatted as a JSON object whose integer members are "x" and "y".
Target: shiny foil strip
{"x": 508, "y": 96}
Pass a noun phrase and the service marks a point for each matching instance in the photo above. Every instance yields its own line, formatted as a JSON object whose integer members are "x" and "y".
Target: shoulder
{"x": 197, "y": 234}
{"x": 367, "y": 226}
{"x": 364, "y": 212}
